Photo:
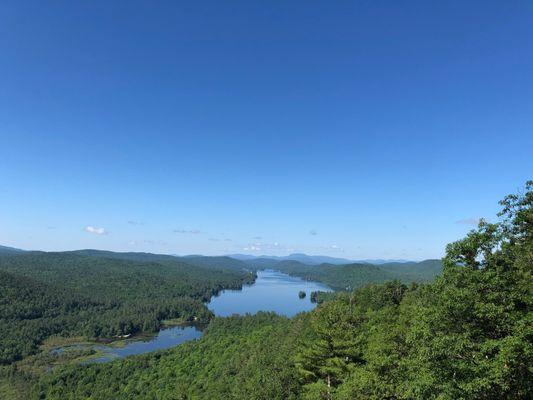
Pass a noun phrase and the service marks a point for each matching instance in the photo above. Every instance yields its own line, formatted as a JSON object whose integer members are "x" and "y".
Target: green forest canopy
{"x": 71, "y": 294}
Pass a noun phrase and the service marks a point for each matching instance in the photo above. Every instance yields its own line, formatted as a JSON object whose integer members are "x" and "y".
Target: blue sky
{"x": 356, "y": 129}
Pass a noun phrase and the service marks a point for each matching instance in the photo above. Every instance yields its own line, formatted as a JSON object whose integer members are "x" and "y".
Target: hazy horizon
{"x": 233, "y": 255}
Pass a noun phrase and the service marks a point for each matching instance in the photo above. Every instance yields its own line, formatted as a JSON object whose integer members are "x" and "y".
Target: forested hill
{"x": 10, "y": 250}
{"x": 344, "y": 277}
{"x": 208, "y": 262}
{"x": 337, "y": 276}
{"x": 85, "y": 294}
{"x": 216, "y": 262}
{"x": 423, "y": 271}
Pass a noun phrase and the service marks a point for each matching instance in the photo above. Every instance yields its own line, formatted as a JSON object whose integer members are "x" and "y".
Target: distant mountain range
{"x": 7, "y": 250}
{"x": 315, "y": 260}
{"x": 200, "y": 259}
{"x": 339, "y": 273}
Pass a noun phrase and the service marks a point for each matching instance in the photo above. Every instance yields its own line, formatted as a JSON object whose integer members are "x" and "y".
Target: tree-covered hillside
{"x": 423, "y": 271}
{"x": 43, "y": 294}
{"x": 10, "y": 250}
{"x": 208, "y": 262}
{"x": 343, "y": 277}
{"x": 467, "y": 335}
{"x": 351, "y": 276}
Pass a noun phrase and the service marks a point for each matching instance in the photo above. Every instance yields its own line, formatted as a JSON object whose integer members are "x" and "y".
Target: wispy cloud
{"x": 190, "y": 231}
{"x": 135, "y": 222}
{"x": 257, "y": 238}
{"x": 332, "y": 248}
{"x": 96, "y": 231}
{"x": 313, "y": 232}
{"x": 214, "y": 240}
{"x": 275, "y": 247}
{"x": 252, "y": 248}
{"x": 468, "y": 221}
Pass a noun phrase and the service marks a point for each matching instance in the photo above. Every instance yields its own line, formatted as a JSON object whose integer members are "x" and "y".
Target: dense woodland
{"x": 466, "y": 335}
{"x": 43, "y": 294}
{"x": 353, "y": 276}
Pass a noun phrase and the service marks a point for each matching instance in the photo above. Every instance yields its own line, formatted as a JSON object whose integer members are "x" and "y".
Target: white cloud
{"x": 96, "y": 231}
{"x": 332, "y": 248}
{"x": 252, "y": 248}
{"x": 274, "y": 247}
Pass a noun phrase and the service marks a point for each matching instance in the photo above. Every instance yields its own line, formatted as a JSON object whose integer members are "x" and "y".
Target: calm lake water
{"x": 272, "y": 291}
{"x": 165, "y": 339}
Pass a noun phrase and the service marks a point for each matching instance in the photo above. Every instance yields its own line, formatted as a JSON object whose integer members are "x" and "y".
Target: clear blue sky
{"x": 350, "y": 128}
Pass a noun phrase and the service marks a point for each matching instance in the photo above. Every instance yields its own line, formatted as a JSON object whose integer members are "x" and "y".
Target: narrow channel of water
{"x": 165, "y": 338}
{"x": 272, "y": 291}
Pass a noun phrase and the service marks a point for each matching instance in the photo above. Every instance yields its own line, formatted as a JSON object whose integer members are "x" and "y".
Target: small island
{"x": 301, "y": 294}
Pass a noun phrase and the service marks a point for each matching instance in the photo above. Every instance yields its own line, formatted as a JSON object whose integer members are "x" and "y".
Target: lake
{"x": 271, "y": 291}
{"x": 165, "y": 338}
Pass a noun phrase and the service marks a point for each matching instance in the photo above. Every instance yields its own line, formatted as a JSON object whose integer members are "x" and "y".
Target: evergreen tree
{"x": 332, "y": 350}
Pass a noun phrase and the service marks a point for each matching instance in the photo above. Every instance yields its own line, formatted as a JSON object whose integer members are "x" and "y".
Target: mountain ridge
{"x": 316, "y": 259}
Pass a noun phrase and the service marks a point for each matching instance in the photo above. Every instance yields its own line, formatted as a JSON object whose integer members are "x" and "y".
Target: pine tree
{"x": 326, "y": 359}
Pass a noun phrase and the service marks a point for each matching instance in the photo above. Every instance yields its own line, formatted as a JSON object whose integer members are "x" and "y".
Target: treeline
{"x": 207, "y": 262}
{"x": 467, "y": 335}
{"x": 44, "y": 294}
{"x": 352, "y": 276}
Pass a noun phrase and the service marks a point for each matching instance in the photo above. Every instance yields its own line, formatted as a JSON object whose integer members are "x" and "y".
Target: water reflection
{"x": 272, "y": 291}
{"x": 166, "y": 338}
